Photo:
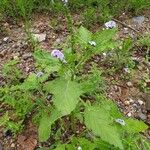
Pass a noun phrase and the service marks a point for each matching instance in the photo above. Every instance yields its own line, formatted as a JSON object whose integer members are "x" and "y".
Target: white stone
{"x": 131, "y": 100}
{"x": 5, "y": 39}
{"x": 140, "y": 102}
{"x": 129, "y": 84}
{"x": 39, "y": 37}
{"x": 129, "y": 114}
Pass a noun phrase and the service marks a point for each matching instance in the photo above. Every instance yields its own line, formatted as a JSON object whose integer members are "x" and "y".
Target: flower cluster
{"x": 58, "y": 54}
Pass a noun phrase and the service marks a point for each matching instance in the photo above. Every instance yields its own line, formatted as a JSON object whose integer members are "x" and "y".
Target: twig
{"x": 124, "y": 24}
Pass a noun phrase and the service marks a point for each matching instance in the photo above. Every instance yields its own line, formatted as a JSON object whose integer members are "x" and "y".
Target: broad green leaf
{"x": 84, "y": 36}
{"x": 44, "y": 128}
{"x": 45, "y": 61}
{"x": 112, "y": 108}
{"x": 66, "y": 94}
{"x": 61, "y": 147}
{"x": 105, "y": 40}
{"x": 135, "y": 126}
{"x": 86, "y": 144}
{"x": 98, "y": 120}
{"x": 45, "y": 124}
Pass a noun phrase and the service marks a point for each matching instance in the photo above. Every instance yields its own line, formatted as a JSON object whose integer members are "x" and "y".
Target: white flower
{"x": 110, "y": 24}
{"x": 120, "y": 121}
{"x": 92, "y": 43}
{"x": 79, "y": 148}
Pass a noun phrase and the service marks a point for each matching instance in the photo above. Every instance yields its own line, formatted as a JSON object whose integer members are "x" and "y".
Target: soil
{"x": 128, "y": 95}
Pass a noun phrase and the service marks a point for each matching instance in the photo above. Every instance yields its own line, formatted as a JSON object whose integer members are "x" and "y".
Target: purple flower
{"x": 58, "y": 54}
{"x": 110, "y": 24}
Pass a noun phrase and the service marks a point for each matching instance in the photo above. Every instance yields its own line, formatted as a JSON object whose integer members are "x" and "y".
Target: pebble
{"x": 126, "y": 31}
{"x": 139, "y": 19}
{"x": 39, "y": 37}
{"x": 131, "y": 100}
{"x": 2, "y": 53}
{"x": 58, "y": 40}
{"x": 26, "y": 56}
{"x": 6, "y": 39}
{"x": 127, "y": 103}
{"x": 129, "y": 114}
{"x": 129, "y": 84}
{"x": 140, "y": 102}
{"x": 142, "y": 116}
{"x": 12, "y": 145}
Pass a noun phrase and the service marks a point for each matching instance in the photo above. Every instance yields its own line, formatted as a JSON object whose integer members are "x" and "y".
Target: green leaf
{"x": 46, "y": 123}
{"x": 30, "y": 83}
{"x": 61, "y": 147}
{"x": 4, "y": 119}
{"x": 105, "y": 40}
{"x": 66, "y": 94}
{"x": 44, "y": 129}
{"x": 112, "y": 108}
{"x": 98, "y": 120}
{"x": 134, "y": 126}
{"x": 84, "y": 36}
{"x": 45, "y": 61}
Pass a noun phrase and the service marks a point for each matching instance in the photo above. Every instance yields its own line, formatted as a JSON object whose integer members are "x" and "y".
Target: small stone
{"x": 15, "y": 57}
{"x": 58, "y": 40}
{"x": 127, "y": 103}
{"x": 139, "y": 19}
{"x": 12, "y": 145}
{"x": 126, "y": 31}
{"x": 129, "y": 84}
{"x": 2, "y": 53}
{"x": 142, "y": 116}
{"x": 39, "y": 37}
{"x": 140, "y": 102}
{"x": 134, "y": 105}
{"x": 147, "y": 80}
{"x": 6, "y": 39}
{"x": 26, "y": 56}
{"x": 129, "y": 114}
{"x": 131, "y": 100}
{"x": 141, "y": 67}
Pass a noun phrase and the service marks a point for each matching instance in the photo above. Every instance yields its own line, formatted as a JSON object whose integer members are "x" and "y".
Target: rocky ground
{"x": 127, "y": 94}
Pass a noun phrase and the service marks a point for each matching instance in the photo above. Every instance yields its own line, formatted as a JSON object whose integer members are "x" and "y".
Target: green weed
{"x": 62, "y": 89}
